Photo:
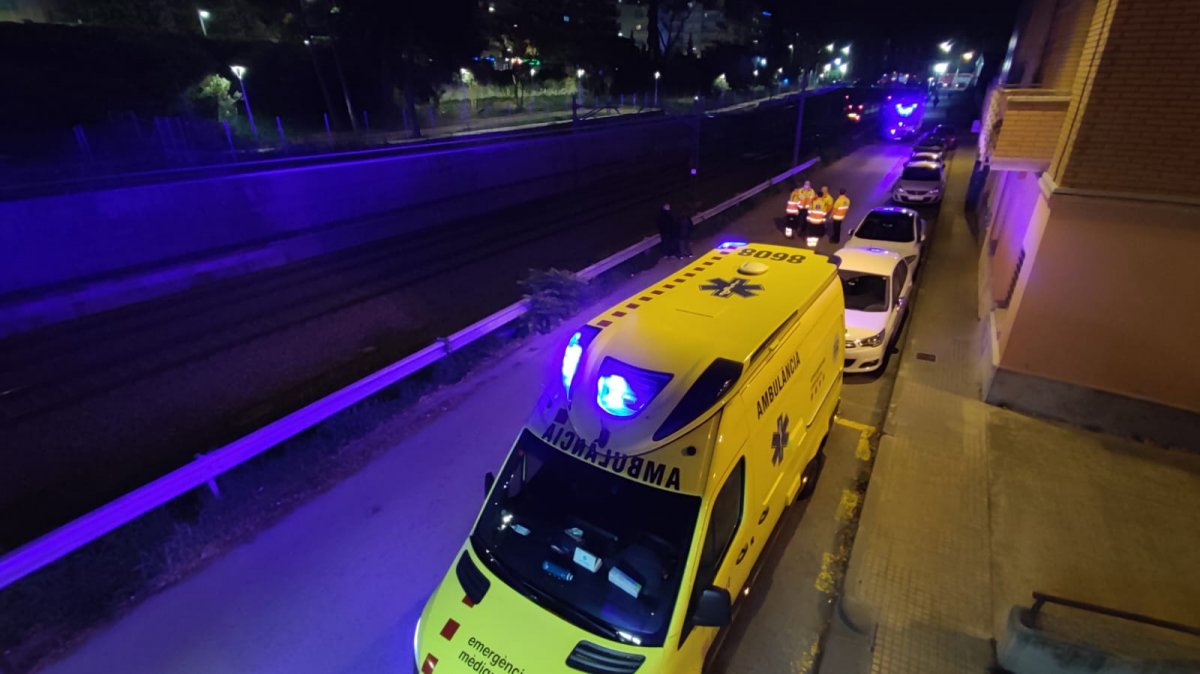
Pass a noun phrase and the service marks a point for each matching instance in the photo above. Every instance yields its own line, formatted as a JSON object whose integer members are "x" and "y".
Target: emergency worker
{"x": 841, "y": 207}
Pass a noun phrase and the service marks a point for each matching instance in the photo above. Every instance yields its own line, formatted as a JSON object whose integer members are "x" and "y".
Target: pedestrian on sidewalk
{"x": 668, "y": 232}
{"x": 841, "y": 207}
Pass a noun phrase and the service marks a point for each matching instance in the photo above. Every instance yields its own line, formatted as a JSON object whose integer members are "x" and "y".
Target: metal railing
{"x": 207, "y": 467}
{"x": 1040, "y": 599}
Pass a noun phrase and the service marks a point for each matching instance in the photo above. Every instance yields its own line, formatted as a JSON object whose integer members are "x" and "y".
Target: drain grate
{"x": 926, "y": 356}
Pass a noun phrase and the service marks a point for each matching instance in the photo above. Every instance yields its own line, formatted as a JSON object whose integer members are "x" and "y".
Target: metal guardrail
{"x": 207, "y": 467}
{"x": 1040, "y": 599}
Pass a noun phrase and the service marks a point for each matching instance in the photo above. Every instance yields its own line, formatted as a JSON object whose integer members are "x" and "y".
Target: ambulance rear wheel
{"x": 808, "y": 479}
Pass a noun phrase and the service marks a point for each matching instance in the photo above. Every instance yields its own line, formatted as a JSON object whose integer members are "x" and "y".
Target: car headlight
{"x": 873, "y": 340}
{"x": 900, "y": 190}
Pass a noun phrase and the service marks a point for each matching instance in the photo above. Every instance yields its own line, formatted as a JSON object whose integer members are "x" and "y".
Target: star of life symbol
{"x": 738, "y": 286}
{"x": 779, "y": 439}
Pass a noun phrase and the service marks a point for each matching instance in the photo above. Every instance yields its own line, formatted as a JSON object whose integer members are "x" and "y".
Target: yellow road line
{"x": 863, "y": 449}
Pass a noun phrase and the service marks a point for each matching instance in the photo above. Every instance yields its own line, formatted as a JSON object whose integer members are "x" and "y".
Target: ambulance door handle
{"x": 742, "y": 554}
{"x": 762, "y": 518}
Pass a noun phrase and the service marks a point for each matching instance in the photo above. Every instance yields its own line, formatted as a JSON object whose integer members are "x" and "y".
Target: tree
{"x": 212, "y": 98}
{"x": 413, "y": 44}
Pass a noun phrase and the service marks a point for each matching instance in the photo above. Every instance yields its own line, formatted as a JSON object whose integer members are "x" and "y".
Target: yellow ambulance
{"x": 630, "y": 513}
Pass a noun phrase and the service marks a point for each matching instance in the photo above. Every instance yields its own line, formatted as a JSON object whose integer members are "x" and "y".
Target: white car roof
{"x": 923, "y": 164}
{"x": 868, "y": 260}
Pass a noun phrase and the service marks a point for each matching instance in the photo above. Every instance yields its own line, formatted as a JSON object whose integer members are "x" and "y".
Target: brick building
{"x": 1091, "y": 213}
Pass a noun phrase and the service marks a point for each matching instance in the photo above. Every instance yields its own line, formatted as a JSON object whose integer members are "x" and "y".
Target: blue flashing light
{"x": 905, "y": 110}
{"x": 615, "y": 396}
{"x": 623, "y": 390}
{"x": 570, "y": 361}
{"x": 573, "y": 354}
{"x": 766, "y": 13}
{"x": 729, "y": 245}
{"x": 892, "y": 131}
{"x": 786, "y": 81}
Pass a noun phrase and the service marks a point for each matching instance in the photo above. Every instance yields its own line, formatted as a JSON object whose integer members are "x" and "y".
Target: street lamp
{"x": 204, "y": 16}
{"x": 968, "y": 55}
{"x": 657, "y": 77}
{"x": 240, "y": 73}
{"x": 945, "y": 46}
{"x": 829, "y": 47}
{"x": 579, "y": 73}
{"x": 846, "y": 50}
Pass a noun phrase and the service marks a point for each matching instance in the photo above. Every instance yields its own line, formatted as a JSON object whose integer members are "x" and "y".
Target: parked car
{"x": 900, "y": 230}
{"x": 876, "y": 284}
{"x": 937, "y": 157}
{"x": 921, "y": 182}
{"x": 949, "y": 133}
{"x": 931, "y": 142}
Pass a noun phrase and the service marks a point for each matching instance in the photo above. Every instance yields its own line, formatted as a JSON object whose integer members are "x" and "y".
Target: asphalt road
{"x": 336, "y": 586}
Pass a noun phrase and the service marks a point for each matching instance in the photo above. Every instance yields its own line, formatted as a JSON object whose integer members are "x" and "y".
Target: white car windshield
{"x": 921, "y": 174}
{"x": 897, "y": 227}
{"x": 864, "y": 292}
{"x": 603, "y": 552}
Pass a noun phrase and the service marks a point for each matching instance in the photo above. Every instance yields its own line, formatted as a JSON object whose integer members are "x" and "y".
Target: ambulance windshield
{"x": 603, "y": 552}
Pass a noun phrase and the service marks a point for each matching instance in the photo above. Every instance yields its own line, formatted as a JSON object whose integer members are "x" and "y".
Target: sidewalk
{"x": 971, "y": 507}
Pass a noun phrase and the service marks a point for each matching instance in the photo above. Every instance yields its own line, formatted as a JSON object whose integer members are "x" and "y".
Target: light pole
{"x": 657, "y": 77}
{"x": 320, "y": 80}
{"x": 240, "y": 73}
{"x": 204, "y": 16}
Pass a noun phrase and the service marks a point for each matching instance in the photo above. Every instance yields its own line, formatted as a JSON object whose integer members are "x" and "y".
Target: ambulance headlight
{"x": 573, "y": 354}
{"x": 416, "y": 643}
{"x": 623, "y": 390}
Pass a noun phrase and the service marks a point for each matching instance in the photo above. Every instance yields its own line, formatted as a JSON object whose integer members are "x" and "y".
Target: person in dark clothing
{"x": 684, "y": 238}
{"x": 668, "y": 232}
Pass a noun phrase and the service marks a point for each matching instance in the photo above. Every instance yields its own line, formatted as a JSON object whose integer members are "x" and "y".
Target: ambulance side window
{"x": 726, "y": 516}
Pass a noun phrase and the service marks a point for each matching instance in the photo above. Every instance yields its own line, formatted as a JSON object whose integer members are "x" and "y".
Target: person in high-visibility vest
{"x": 818, "y": 213}
{"x": 841, "y": 207}
{"x": 798, "y": 203}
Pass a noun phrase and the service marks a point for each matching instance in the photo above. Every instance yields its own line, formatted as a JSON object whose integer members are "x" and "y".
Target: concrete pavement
{"x": 971, "y": 508}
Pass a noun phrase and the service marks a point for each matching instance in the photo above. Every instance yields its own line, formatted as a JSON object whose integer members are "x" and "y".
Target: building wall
{"x": 1014, "y": 197}
{"x": 1064, "y": 44}
{"x": 1137, "y": 130}
{"x": 1031, "y": 128}
{"x": 1109, "y": 307}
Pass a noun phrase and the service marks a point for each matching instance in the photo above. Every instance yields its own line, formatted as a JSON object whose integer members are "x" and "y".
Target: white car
{"x": 900, "y": 230}
{"x": 876, "y": 284}
{"x": 921, "y": 182}
{"x": 935, "y": 157}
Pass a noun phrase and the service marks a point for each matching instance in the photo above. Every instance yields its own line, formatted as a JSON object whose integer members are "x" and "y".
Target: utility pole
{"x": 799, "y": 117}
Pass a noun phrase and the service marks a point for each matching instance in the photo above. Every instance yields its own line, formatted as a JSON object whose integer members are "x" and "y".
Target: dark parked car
{"x": 948, "y": 132}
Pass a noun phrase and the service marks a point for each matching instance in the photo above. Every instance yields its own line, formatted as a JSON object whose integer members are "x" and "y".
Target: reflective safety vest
{"x": 800, "y": 198}
{"x": 817, "y": 212}
{"x": 793, "y": 205}
{"x": 841, "y": 207}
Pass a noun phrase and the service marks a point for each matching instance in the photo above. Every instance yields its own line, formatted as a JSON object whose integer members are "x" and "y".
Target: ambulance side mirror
{"x": 714, "y": 608}
{"x": 488, "y": 480}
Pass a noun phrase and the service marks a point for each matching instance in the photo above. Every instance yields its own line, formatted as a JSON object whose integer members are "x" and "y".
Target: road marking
{"x": 847, "y": 506}
{"x": 827, "y": 580}
{"x": 863, "y": 449}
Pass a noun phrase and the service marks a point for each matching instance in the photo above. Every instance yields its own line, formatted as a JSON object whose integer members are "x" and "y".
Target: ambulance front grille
{"x": 588, "y": 657}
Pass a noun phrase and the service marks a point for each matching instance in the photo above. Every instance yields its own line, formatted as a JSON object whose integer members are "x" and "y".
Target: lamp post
{"x": 240, "y": 73}
{"x": 204, "y": 16}
{"x": 657, "y": 77}
{"x": 945, "y": 46}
